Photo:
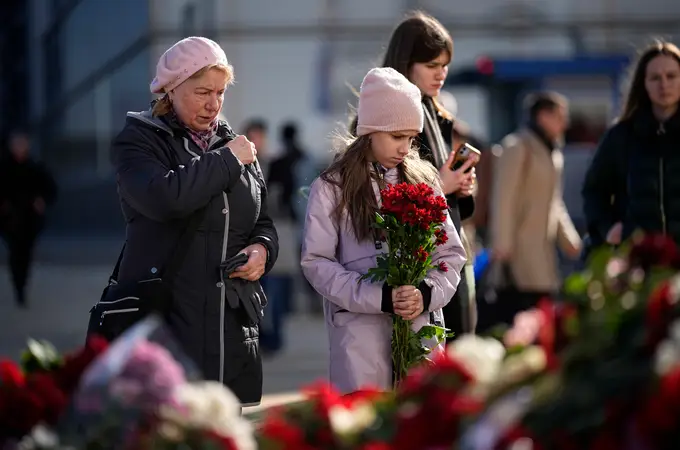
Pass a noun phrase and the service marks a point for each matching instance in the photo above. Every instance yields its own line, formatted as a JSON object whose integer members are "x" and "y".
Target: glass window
{"x": 130, "y": 89}
{"x": 74, "y": 147}
{"x": 97, "y": 31}
{"x": 52, "y": 74}
{"x": 69, "y": 142}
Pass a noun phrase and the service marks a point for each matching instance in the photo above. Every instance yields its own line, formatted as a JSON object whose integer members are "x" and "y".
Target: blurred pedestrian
{"x": 283, "y": 170}
{"x": 255, "y": 130}
{"x": 26, "y": 190}
{"x": 528, "y": 216}
{"x": 632, "y": 183}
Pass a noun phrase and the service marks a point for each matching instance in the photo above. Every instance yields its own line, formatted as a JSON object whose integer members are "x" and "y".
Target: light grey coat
{"x": 359, "y": 333}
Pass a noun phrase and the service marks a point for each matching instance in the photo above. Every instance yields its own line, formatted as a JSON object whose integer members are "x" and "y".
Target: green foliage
{"x": 40, "y": 356}
{"x": 406, "y": 263}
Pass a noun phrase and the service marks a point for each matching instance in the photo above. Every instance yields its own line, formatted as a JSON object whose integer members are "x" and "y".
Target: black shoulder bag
{"x": 124, "y": 304}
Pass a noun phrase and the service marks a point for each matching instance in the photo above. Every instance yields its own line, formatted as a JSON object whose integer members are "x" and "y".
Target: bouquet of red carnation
{"x": 410, "y": 220}
{"x": 38, "y": 391}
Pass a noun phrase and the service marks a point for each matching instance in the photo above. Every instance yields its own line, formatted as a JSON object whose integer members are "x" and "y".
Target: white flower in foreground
{"x": 517, "y": 367}
{"x": 667, "y": 354}
{"x": 348, "y": 421}
{"x": 208, "y": 405}
{"x": 481, "y": 356}
{"x": 40, "y": 437}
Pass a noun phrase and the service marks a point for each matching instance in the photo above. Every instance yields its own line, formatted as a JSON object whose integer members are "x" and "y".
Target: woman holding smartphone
{"x": 421, "y": 49}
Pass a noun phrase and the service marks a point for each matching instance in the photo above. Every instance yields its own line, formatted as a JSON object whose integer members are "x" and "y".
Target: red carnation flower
{"x": 653, "y": 250}
{"x": 10, "y": 374}
{"x": 26, "y": 411}
{"x": 443, "y": 267}
{"x": 659, "y": 308}
{"x": 376, "y": 446}
{"x": 53, "y": 399}
{"x": 223, "y": 442}
{"x": 286, "y": 435}
{"x": 68, "y": 376}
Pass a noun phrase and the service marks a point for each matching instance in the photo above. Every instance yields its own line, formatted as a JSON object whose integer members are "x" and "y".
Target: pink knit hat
{"x": 184, "y": 59}
{"x": 388, "y": 101}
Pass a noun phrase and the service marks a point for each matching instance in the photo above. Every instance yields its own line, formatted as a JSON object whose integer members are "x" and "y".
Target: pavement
{"x": 67, "y": 279}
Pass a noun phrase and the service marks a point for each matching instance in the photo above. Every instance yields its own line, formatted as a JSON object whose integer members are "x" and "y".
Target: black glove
{"x": 243, "y": 292}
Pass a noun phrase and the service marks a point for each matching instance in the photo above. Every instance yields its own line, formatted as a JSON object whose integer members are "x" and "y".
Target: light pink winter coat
{"x": 332, "y": 261}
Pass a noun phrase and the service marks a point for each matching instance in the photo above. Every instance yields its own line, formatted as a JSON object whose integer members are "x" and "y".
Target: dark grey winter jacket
{"x": 163, "y": 177}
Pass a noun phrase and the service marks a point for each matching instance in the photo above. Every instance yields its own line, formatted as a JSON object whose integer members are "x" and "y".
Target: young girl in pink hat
{"x": 339, "y": 245}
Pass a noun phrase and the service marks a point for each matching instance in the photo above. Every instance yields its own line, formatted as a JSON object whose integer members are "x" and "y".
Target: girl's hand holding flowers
{"x": 407, "y": 302}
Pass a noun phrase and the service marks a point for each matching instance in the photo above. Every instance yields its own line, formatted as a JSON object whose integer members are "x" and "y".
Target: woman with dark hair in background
{"x": 633, "y": 182}
{"x": 421, "y": 49}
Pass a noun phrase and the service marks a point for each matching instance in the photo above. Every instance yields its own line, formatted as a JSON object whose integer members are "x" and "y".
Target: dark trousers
{"x": 20, "y": 245}
{"x": 458, "y": 316}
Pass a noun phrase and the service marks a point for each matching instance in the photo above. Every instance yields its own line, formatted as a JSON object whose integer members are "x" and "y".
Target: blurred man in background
{"x": 256, "y": 132}
{"x": 26, "y": 190}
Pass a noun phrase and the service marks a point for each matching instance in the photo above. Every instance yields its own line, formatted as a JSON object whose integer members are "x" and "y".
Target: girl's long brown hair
{"x": 637, "y": 97}
{"x": 351, "y": 173}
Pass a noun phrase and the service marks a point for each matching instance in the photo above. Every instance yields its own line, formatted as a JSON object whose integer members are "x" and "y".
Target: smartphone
{"x": 466, "y": 152}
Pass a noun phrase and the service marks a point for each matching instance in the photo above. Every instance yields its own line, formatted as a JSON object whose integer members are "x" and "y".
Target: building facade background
{"x": 91, "y": 61}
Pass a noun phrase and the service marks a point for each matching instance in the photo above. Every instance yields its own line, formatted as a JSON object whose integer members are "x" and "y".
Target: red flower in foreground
{"x": 286, "y": 435}
{"x": 20, "y": 411}
{"x": 223, "y": 442}
{"x": 10, "y": 374}
{"x": 443, "y": 267}
{"x": 653, "y": 250}
{"x": 436, "y": 390}
{"x": 54, "y": 401}
{"x": 659, "y": 308}
{"x": 657, "y": 419}
{"x": 68, "y": 376}
{"x": 546, "y": 333}
{"x": 376, "y": 446}
{"x": 607, "y": 440}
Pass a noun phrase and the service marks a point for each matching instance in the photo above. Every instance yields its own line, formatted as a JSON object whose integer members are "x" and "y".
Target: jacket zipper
{"x": 116, "y": 311}
{"x": 223, "y": 289}
{"x": 661, "y": 130}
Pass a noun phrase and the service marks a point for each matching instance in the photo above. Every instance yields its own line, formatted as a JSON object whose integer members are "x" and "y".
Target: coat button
{"x": 225, "y": 210}
{"x": 220, "y": 284}
{"x": 154, "y": 270}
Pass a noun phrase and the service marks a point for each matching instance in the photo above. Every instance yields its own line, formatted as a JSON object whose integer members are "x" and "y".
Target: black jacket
{"x": 458, "y": 315}
{"x": 633, "y": 179}
{"x": 163, "y": 177}
{"x": 21, "y": 183}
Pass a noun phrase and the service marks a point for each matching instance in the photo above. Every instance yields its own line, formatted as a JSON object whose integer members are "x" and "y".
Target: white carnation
{"x": 211, "y": 406}
{"x": 350, "y": 421}
{"x": 481, "y": 356}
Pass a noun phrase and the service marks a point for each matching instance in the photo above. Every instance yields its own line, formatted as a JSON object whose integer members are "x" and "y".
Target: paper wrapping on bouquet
{"x": 138, "y": 372}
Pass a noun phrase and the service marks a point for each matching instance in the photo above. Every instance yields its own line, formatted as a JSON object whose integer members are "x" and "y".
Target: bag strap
{"x": 178, "y": 254}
